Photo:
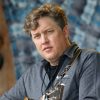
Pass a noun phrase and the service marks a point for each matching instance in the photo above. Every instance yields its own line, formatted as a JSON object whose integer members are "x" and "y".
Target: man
{"x": 66, "y": 72}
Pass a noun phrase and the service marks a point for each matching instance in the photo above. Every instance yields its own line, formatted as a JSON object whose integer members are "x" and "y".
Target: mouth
{"x": 47, "y": 49}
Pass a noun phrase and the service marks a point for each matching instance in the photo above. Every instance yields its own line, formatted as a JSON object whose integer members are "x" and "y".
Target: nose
{"x": 44, "y": 39}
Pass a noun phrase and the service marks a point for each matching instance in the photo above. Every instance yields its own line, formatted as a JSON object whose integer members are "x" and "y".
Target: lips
{"x": 47, "y": 48}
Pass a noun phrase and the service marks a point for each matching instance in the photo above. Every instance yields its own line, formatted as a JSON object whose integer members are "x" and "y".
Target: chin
{"x": 51, "y": 58}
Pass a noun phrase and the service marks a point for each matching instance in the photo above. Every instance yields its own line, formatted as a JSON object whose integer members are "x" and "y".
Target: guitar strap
{"x": 76, "y": 54}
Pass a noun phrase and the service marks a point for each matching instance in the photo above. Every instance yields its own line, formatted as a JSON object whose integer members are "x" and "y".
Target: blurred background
{"x": 17, "y": 52}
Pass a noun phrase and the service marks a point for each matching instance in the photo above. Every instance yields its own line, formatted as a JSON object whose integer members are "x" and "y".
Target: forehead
{"x": 45, "y": 23}
{"x": 48, "y": 21}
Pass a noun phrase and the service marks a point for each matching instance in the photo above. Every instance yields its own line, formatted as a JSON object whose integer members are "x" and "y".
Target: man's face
{"x": 49, "y": 39}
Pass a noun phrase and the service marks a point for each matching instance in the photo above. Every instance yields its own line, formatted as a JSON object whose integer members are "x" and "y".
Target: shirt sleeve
{"x": 17, "y": 92}
{"x": 89, "y": 84}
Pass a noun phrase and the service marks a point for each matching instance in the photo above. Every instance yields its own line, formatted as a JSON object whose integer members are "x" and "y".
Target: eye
{"x": 50, "y": 31}
{"x": 36, "y": 36}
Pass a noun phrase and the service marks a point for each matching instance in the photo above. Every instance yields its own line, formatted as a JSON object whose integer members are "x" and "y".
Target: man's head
{"x": 50, "y": 10}
{"x": 48, "y": 27}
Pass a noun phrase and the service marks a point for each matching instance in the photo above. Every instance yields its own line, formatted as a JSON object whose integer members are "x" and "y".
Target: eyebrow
{"x": 35, "y": 33}
{"x": 48, "y": 28}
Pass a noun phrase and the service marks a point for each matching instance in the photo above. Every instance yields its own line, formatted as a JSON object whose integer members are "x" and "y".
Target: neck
{"x": 55, "y": 63}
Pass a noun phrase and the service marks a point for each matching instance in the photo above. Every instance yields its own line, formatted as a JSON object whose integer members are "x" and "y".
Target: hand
{"x": 43, "y": 97}
{"x": 26, "y": 98}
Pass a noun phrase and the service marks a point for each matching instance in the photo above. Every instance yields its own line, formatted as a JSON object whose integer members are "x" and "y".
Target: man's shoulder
{"x": 89, "y": 52}
{"x": 35, "y": 67}
{"x": 88, "y": 56}
{"x": 32, "y": 70}
{"x": 31, "y": 73}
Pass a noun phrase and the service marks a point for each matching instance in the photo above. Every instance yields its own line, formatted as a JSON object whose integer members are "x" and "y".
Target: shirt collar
{"x": 70, "y": 51}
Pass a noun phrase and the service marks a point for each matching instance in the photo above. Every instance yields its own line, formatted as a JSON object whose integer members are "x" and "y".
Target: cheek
{"x": 55, "y": 44}
{"x": 58, "y": 42}
{"x": 37, "y": 44}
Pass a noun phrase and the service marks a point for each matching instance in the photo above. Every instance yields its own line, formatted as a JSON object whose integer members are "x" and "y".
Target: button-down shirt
{"x": 82, "y": 81}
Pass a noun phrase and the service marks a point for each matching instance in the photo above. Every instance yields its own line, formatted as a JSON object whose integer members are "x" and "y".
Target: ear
{"x": 66, "y": 31}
